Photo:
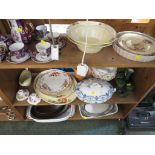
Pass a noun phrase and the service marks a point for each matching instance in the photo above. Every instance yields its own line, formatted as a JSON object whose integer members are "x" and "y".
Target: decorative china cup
{"x": 22, "y": 94}
{"x": 94, "y": 91}
{"x": 17, "y": 49}
{"x": 3, "y": 50}
{"x": 41, "y": 31}
{"x": 33, "y": 99}
{"x": 44, "y": 49}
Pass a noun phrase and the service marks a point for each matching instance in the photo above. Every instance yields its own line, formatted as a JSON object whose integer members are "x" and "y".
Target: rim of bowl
{"x": 95, "y": 23}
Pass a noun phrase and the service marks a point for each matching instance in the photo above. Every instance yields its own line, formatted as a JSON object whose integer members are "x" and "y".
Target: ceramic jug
{"x": 15, "y": 34}
{"x": 21, "y": 31}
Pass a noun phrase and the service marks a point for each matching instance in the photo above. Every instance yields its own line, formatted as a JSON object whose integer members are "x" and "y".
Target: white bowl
{"x": 106, "y": 73}
{"x": 98, "y": 34}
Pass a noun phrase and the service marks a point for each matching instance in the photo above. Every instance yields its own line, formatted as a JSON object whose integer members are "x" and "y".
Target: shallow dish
{"x": 136, "y": 42}
{"x": 96, "y": 112}
{"x": 132, "y": 56}
{"x": 64, "y": 116}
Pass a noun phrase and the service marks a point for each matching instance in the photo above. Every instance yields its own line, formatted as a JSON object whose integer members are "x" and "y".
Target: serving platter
{"x": 136, "y": 42}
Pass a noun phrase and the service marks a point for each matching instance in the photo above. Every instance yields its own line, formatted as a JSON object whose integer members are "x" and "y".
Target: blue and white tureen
{"x": 94, "y": 91}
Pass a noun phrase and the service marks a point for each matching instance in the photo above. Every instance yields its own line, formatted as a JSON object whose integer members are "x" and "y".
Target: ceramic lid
{"x": 94, "y": 87}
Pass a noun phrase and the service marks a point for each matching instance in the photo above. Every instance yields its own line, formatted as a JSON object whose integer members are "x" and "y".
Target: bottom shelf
{"x": 119, "y": 115}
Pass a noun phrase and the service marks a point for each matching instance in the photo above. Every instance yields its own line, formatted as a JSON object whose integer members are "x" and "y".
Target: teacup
{"x": 3, "y": 50}
{"x": 33, "y": 99}
{"x": 22, "y": 94}
{"x": 41, "y": 31}
{"x": 44, "y": 49}
{"x": 17, "y": 49}
{"x": 56, "y": 36}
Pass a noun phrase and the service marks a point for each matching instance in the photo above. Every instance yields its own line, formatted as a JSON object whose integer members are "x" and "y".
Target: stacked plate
{"x": 135, "y": 46}
{"x": 55, "y": 87}
{"x": 97, "y": 110}
{"x": 51, "y": 113}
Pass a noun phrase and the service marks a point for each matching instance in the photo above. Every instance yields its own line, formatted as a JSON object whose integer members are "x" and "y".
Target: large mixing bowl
{"x": 98, "y": 34}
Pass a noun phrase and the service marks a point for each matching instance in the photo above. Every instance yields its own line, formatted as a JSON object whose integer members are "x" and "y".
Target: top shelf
{"x": 71, "y": 57}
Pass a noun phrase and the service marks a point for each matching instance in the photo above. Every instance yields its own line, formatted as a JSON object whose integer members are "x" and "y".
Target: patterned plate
{"x": 61, "y": 100}
{"x": 53, "y": 82}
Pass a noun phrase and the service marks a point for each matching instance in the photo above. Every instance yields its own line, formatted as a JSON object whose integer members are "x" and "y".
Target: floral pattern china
{"x": 53, "y": 81}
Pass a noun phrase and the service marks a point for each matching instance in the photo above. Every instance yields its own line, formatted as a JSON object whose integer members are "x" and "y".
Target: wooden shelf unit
{"x": 144, "y": 77}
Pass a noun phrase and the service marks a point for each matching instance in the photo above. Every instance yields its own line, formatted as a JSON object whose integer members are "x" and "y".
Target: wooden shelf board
{"x": 131, "y": 99}
{"x": 71, "y": 56}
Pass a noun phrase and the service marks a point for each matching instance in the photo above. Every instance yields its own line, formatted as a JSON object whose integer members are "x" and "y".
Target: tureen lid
{"x": 94, "y": 87}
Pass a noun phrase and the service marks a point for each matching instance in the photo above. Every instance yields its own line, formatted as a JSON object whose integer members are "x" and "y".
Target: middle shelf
{"x": 130, "y": 99}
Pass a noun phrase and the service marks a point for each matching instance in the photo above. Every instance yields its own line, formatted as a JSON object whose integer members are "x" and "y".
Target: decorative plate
{"x": 137, "y": 43}
{"x": 66, "y": 98}
{"x": 94, "y": 90}
{"x": 53, "y": 81}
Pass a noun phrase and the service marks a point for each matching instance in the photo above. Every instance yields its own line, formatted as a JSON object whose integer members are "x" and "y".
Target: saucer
{"x": 12, "y": 59}
{"x": 37, "y": 57}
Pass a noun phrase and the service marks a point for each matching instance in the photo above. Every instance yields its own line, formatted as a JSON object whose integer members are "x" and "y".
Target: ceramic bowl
{"x": 107, "y": 73}
{"x": 3, "y": 51}
{"x": 99, "y": 35}
{"x": 94, "y": 91}
{"x": 25, "y": 78}
{"x": 22, "y": 94}
{"x": 59, "y": 118}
